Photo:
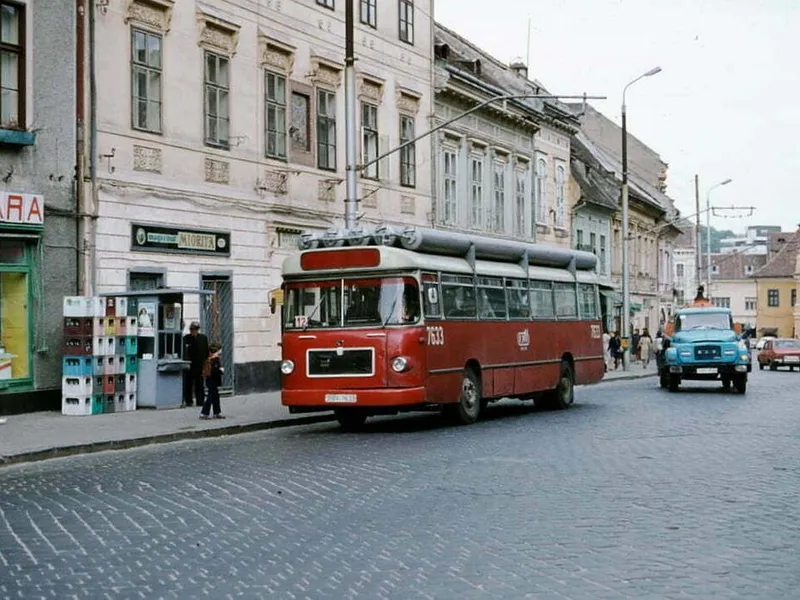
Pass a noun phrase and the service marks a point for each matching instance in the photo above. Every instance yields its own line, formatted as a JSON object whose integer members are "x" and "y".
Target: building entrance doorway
{"x": 216, "y": 320}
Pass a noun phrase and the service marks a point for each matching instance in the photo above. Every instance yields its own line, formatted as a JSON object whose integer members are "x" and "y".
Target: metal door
{"x": 216, "y": 319}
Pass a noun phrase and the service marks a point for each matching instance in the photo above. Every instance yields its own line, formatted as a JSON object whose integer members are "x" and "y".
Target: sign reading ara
{"x": 180, "y": 240}
{"x": 22, "y": 209}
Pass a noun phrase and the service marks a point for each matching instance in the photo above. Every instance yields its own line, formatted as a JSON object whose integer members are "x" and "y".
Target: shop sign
{"x": 183, "y": 241}
{"x": 21, "y": 209}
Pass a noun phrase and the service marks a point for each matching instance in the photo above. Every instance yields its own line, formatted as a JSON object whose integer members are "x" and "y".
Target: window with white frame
{"x": 217, "y": 88}
{"x": 408, "y": 154}
{"x": 541, "y": 201}
{"x": 680, "y": 270}
{"x": 450, "y": 177}
{"x": 593, "y": 242}
{"x": 369, "y": 13}
{"x": 521, "y": 189}
{"x": 602, "y": 254}
{"x": 579, "y": 239}
{"x": 476, "y": 192}
{"x": 146, "y": 62}
{"x": 499, "y": 190}
{"x": 560, "y": 199}
{"x": 326, "y": 3}
{"x": 369, "y": 139}
{"x": 326, "y": 130}
{"x": 406, "y": 21}
{"x": 750, "y": 303}
{"x": 276, "y": 115}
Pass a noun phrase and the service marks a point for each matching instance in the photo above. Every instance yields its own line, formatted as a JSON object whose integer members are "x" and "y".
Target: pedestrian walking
{"x": 195, "y": 350}
{"x": 212, "y": 373}
{"x": 635, "y": 346}
{"x": 615, "y": 349}
{"x": 645, "y": 348}
{"x": 606, "y": 350}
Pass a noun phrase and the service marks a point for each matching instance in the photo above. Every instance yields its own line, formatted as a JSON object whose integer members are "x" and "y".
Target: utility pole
{"x": 697, "y": 252}
{"x": 351, "y": 126}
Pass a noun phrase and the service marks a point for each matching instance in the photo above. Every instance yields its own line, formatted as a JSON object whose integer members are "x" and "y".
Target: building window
{"x": 326, "y": 130}
{"x": 579, "y": 239}
{"x": 300, "y": 129}
{"x": 407, "y": 21}
{"x": 750, "y": 303}
{"x": 499, "y": 188}
{"x": 593, "y": 243}
{"x": 369, "y": 139}
{"x": 12, "y": 65}
{"x": 602, "y": 254}
{"x": 146, "y": 63}
{"x": 476, "y": 192}
{"x": 521, "y": 189}
{"x": 748, "y": 270}
{"x": 217, "y": 89}
{"x": 276, "y": 115}
{"x": 794, "y": 297}
{"x": 722, "y": 302}
{"x": 369, "y": 12}
{"x": 326, "y": 3}
{"x": 714, "y": 270}
{"x": 408, "y": 154}
{"x": 560, "y": 206}
{"x": 541, "y": 204}
{"x": 773, "y": 298}
{"x": 679, "y": 271}
{"x": 450, "y": 171}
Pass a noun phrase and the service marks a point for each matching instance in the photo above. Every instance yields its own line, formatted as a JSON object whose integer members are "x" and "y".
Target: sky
{"x": 725, "y": 105}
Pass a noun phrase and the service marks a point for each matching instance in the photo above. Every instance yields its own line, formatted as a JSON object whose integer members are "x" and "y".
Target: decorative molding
{"x": 217, "y": 171}
{"x": 521, "y": 158}
{"x": 326, "y": 191}
{"x": 146, "y": 159}
{"x": 408, "y": 100}
{"x": 276, "y": 182}
{"x": 448, "y": 134}
{"x": 275, "y": 55}
{"x": 370, "y": 196}
{"x": 325, "y": 71}
{"x": 151, "y": 14}
{"x": 477, "y": 145}
{"x": 217, "y": 34}
{"x": 370, "y": 89}
{"x": 408, "y": 205}
{"x": 501, "y": 151}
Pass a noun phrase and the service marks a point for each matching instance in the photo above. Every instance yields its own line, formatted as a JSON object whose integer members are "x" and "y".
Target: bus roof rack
{"x": 451, "y": 243}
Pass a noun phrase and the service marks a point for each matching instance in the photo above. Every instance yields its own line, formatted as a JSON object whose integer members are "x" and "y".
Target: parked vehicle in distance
{"x": 703, "y": 344}
{"x": 763, "y": 340}
{"x": 780, "y": 352}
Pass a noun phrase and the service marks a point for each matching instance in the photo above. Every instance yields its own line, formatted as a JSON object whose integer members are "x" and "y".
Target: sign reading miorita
{"x": 180, "y": 240}
{"x": 21, "y": 209}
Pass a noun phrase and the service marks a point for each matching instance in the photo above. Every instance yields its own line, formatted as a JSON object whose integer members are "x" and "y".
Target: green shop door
{"x": 16, "y": 310}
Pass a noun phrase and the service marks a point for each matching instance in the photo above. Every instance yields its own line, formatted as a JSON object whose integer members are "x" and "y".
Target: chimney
{"x": 520, "y": 69}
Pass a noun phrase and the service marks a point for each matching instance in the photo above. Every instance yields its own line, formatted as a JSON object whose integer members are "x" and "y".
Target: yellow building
{"x": 797, "y": 293}
{"x": 777, "y": 285}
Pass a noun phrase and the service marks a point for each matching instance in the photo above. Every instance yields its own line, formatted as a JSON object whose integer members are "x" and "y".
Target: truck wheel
{"x": 726, "y": 383}
{"x": 674, "y": 383}
{"x": 663, "y": 379}
{"x": 468, "y": 408}
{"x": 564, "y": 394}
{"x": 740, "y": 383}
{"x": 350, "y": 419}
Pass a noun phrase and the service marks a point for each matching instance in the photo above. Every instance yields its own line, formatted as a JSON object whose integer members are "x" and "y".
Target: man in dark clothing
{"x": 195, "y": 350}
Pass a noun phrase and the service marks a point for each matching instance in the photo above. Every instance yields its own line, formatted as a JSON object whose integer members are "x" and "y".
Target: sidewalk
{"x": 42, "y": 435}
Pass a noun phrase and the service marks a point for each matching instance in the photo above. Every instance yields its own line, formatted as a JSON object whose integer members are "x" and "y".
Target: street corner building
{"x": 39, "y": 247}
{"x": 221, "y": 138}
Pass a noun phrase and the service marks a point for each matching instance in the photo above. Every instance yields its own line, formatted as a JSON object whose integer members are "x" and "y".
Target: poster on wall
{"x": 147, "y": 319}
{"x": 172, "y": 316}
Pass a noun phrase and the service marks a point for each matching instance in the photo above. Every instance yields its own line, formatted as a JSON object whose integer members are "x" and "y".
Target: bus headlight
{"x": 399, "y": 364}
{"x": 287, "y": 367}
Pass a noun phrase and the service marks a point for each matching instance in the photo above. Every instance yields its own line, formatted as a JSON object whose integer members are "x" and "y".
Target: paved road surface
{"x": 632, "y": 493}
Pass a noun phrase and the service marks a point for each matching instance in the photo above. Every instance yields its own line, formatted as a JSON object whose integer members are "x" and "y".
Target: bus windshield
{"x": 334, "y": 303}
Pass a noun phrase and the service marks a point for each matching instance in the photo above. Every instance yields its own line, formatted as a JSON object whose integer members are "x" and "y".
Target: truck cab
{"x": 703, "y": 344}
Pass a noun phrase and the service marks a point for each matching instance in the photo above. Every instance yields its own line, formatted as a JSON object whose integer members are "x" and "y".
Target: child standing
{"x": 212, "y": 372}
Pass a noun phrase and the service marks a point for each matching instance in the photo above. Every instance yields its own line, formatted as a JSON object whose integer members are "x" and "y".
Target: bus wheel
{"x": 468, "y": 408}
{"x": 350, "y": 419}
{"x": 564, "y": 394}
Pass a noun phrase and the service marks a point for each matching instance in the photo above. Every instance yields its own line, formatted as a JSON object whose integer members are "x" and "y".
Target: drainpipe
{"x": 80, "y": 146}
{"x": 91, "y": 212}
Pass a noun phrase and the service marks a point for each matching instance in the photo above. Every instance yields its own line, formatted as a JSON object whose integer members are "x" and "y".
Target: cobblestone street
{"x": 634, "y": 492}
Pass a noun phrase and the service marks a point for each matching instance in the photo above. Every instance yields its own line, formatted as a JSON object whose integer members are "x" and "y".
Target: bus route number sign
{"x": 435, "y": 336}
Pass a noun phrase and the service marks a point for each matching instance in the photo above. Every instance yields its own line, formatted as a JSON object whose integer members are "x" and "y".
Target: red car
{"x": 780, "y": 352}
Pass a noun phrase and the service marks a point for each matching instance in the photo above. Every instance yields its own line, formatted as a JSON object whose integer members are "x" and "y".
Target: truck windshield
{"x": 704, "y": 320}
{"x": 351, "y": 303}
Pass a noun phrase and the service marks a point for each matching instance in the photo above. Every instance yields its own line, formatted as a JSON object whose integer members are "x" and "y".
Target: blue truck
{"x": 703, "y": 344}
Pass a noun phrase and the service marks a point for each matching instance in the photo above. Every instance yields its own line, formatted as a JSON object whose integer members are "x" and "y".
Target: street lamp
{"x": 626, "y": 288}
{"x": 708, "y": 233}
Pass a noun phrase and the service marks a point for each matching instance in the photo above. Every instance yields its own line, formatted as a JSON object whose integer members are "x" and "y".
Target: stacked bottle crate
{"x": 100, "y": 344}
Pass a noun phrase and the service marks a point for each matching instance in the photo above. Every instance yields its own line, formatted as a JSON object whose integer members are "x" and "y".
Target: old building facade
{"x": 221, "y": 131}
{"x": 777, "y": 289}
{"x": 733, "y": 286}
{"x": 39, "y": 246}
{"x": 503, "y": 170}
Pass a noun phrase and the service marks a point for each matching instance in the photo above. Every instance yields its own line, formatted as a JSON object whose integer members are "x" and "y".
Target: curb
{"x": 628, "y": 377}
{"x": 92, "y": 447}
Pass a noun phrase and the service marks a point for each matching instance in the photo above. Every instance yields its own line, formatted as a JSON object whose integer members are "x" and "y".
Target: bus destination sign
{"x": 183, "y": 241}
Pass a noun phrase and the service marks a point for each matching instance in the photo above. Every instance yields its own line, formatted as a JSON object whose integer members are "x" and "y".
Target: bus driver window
{"x": 410, "y": 303}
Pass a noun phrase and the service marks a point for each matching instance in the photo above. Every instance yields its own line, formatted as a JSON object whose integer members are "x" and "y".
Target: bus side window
{"x": 517, "y": 299}
{"x": 566, "y": 301}
{"x": 542, "y": 300}
{"x": 491, "y": 298}
{"x": 587, "y": 301}
{"x": 458, "y": 297}
{"x": 430, "y": 299}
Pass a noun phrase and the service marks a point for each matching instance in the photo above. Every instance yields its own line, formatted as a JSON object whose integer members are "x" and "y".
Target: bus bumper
{"x": 330, "y": 400}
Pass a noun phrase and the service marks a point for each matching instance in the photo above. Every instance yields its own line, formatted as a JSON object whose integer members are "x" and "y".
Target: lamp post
{"x": 626, "y": 289}
{"x": 708, "y": 233}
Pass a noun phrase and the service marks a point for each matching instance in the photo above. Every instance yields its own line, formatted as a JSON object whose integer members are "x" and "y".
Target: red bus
{"x": 447, "y": 322}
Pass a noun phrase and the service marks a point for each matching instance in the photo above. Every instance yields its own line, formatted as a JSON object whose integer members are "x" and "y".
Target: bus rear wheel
{"x": 468, "y": 408}
{"x": 563, "y": 396}
{"x": 350, "y": 419}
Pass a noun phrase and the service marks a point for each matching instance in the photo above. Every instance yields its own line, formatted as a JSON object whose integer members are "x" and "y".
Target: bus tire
{"x": 468, "y": 408}
{"x": 563, "y": 396}
{"x": 350, "y": 419}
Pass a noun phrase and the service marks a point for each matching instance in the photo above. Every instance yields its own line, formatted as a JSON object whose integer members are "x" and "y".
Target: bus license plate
{"x": 341, "y": 398}
{"x": 707, "y": 371}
